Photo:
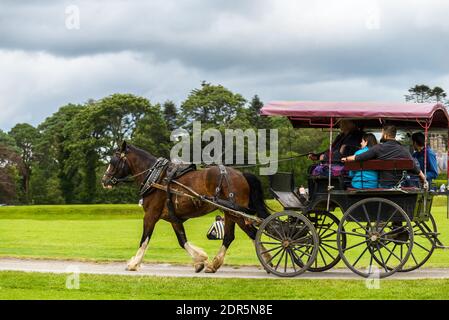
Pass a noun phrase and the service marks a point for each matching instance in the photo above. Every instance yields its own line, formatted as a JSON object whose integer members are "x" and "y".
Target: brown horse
{"x": 132, "y": 161}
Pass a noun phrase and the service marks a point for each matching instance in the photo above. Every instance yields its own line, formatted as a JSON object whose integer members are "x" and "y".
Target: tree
{"x": 7, "y": 140}
{"x": 254, "y": 116}
{"x": 104, "y": 124}
{"x": 419, "y": 93}
{"x": 152, "y": 133}
{"x": 439, "y": 94}
{"x": 213, "y": 105}
{"x": 97, "y": 132}
{"x": 10, "y": 167}
{"x": 53, "y": 156}
{"x": 170, "y": 115}
{"x": 25, "y": 136}
{"x": 423, "y": 93}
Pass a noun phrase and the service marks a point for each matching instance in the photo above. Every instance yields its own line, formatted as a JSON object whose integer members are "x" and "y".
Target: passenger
{"x": 389, "y": 149}
{"x": 365, "y": 178}
{"x": 418, "y": 140}
{"x": 345, "y": 144}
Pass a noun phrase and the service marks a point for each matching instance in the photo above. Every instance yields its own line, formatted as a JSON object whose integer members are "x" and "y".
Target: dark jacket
{"x": 432, "y": 165}
{"x": 351, "y": 141}
{"x": 389, "y": 150}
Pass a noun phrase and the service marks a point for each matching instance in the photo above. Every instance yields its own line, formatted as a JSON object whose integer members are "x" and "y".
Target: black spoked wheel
{"x": 326, "y": 225}
{"x": 286, "y": 244}
{"x": 379, "y": 238}
{"x": 424, "y": 235}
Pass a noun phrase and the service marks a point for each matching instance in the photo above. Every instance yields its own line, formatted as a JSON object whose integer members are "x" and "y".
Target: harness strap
{"x": 154, "y": 175}
{"x": 224, "y": 176}
{"x": 170, "y": 204}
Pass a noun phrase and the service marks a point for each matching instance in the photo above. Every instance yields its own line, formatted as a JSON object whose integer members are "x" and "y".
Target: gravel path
{"x": 169, "y": 270}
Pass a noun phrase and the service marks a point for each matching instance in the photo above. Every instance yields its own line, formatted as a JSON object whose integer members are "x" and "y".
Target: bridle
{"x": 117, "y": 168}
{"x": 122, "y": 162}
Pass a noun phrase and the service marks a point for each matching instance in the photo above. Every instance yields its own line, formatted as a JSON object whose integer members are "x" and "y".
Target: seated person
{"x": 365, "y": 178}
{"x": 345, "y": 144}
{"x": 418, "y": 140}
{"x": 389, "y": 149}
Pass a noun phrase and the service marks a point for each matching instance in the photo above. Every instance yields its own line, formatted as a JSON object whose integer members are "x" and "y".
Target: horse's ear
{"x": 123, "y": 147}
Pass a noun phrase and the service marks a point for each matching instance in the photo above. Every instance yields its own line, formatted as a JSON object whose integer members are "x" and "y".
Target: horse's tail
{"x": 256, "y": 199}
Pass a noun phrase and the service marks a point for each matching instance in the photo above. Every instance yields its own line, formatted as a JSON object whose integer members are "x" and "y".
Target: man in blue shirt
{"x": 418, "y": 140}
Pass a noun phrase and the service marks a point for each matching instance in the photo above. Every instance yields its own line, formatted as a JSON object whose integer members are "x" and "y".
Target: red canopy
{"x": 371, "y": 114}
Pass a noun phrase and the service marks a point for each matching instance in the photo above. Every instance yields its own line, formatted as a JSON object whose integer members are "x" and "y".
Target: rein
{"x": 129, "y": 178}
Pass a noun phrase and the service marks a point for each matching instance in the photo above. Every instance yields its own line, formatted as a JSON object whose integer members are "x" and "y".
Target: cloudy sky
{"x": 56, "y": 52}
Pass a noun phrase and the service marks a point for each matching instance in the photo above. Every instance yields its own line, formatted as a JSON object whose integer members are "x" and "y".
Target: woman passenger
{"x": 365, "y": 179}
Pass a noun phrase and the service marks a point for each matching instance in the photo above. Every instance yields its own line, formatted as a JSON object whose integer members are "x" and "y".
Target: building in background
{"x": 438, "y": 142}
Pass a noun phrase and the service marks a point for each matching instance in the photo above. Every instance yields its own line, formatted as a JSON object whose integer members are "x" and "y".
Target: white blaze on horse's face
{"x": 105, "y": 177}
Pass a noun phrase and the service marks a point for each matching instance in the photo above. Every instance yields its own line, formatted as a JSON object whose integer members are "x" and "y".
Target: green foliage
{"x": 45, "y": 187}
{"x": 65, "y": 157}
{"x": 25, "y": 137}
{"x": 54, "y": 154}
{"x": 11, "y": 167}
{"x": 211, "y": 104}
{"x": 170, "y": 115}
{"x": 96, "y": 132}
{"x": 152, "y": 132}
{"x": 253, "y": 114}
{"x": 423, "y": 93}
{"x": 7, "y": 140}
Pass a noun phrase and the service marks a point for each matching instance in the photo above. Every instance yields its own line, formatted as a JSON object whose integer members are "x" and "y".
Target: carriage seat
{"x": 399, "y": 165}
{"x": 381, "y": 165}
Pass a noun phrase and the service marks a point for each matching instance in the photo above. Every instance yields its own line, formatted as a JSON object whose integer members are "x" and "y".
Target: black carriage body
{"x": 412, "y": 201}
{"x": 416, "y": 202}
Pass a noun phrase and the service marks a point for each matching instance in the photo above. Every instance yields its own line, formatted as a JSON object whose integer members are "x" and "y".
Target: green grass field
{"x": 20, "y": 285}
{"x": 112, "y": 232}
{"x": 104, "y": 233}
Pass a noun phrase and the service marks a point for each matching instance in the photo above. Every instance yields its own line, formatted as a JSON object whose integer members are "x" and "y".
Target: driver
{"x": 345, "y": 144}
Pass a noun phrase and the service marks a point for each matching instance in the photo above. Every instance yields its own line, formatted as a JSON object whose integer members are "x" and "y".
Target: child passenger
{"x": 365, "y": 178}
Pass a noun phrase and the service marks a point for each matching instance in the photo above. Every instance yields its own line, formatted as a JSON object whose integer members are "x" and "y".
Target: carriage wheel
{"x": 424, "y": 244}
{"x": 286, "y": 244}
{"x": 379, "y": 237}
{"x": 326, "y": 225}
{"x": 424, "y": 234}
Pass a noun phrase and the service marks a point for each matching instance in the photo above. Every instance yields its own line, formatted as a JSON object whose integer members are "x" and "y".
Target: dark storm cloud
{"x": 348, "y": 49}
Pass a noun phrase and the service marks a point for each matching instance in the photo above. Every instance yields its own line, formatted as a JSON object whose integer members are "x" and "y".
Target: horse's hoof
{"x": 132, "y": 267}
{"x": 199, "y": 267}
{"x": 210, "y": 270}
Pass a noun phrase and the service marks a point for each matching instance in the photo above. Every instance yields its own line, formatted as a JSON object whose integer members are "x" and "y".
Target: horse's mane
{"x": 145, "y": 155}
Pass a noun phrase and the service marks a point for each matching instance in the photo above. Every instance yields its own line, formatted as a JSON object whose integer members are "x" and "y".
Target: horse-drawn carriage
{"x": 382, "y": 230}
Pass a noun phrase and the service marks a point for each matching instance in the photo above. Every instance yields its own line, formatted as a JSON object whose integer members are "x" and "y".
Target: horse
{"x": 130, "y": 161}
